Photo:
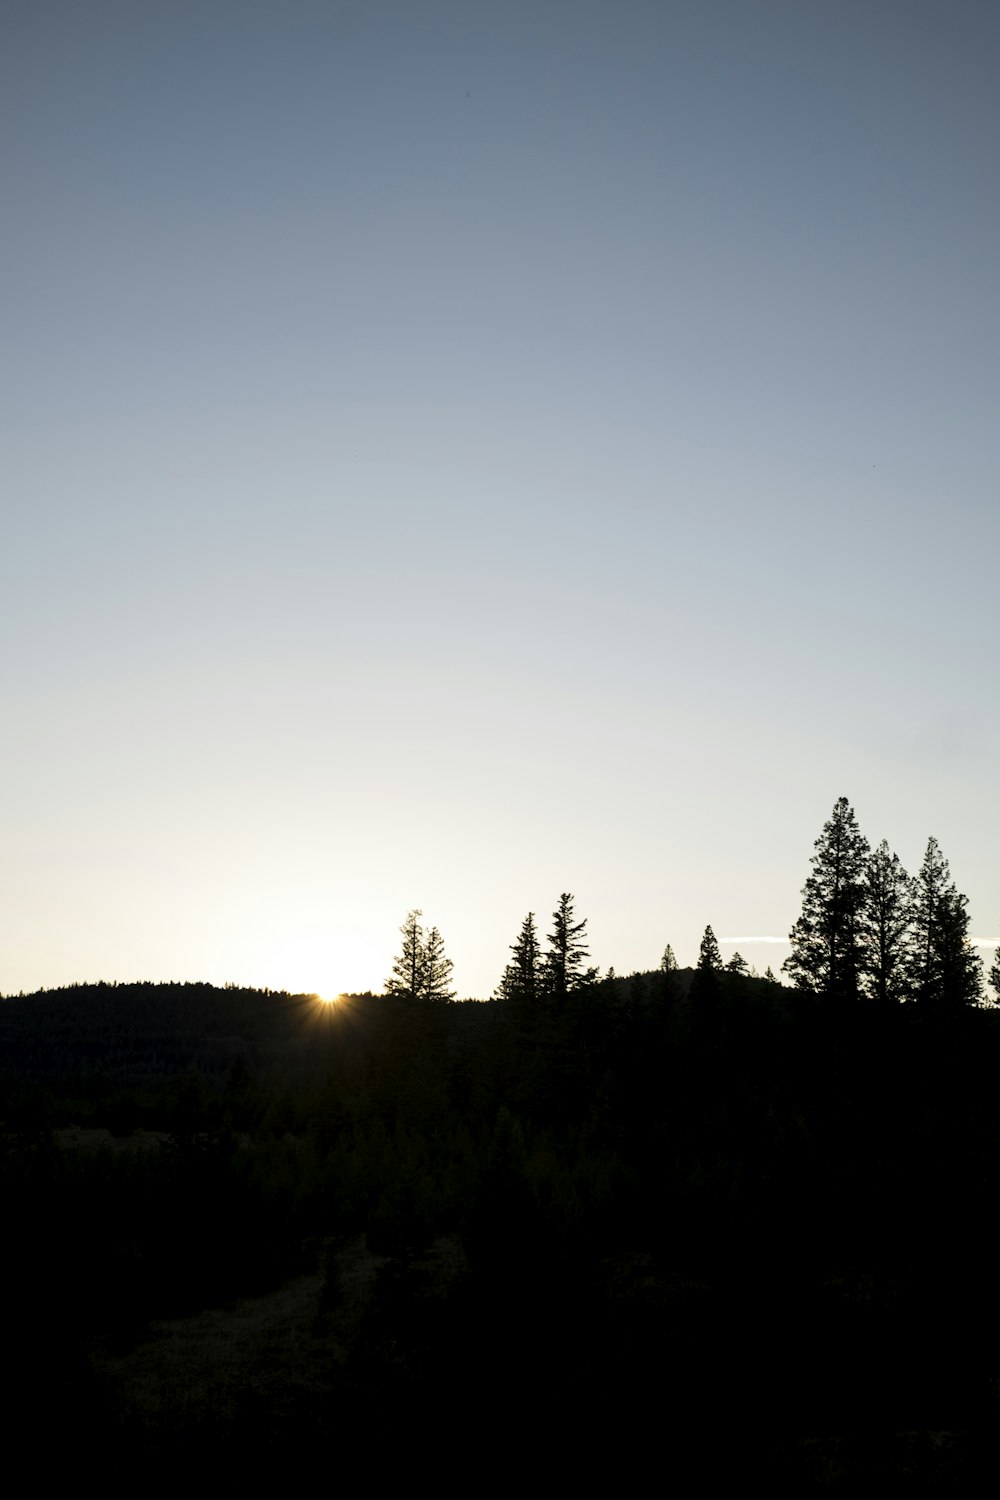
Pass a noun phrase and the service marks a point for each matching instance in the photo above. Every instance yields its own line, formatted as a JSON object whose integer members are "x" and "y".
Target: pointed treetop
{"x": 827, "y": 954}
{"x": 421, "y": 970}
{"x": 946, "y": 969}
{"x": 709, "y": 956}
{"x": 437, "y": 969}
{"x": 564, "y": 961}
{"x": 521, "y": 978}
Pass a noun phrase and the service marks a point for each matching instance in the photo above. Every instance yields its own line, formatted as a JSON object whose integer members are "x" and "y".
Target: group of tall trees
{"x": 421, "y": 971}
{"x": 558, "y": 969}
{"x": 869, "y": 931}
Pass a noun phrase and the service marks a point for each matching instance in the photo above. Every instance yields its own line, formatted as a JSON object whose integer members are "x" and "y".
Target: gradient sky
{"x": 457, "y": 453}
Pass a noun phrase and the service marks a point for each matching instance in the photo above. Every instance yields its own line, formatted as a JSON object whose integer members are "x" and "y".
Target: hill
{"x": 650, "y": 1208}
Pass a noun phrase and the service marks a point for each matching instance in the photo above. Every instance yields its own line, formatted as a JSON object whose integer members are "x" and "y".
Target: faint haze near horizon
{"x": 451, "y": 455}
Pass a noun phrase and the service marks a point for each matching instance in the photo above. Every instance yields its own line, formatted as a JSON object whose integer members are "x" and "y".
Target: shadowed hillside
{"x": 654, "y": 1206}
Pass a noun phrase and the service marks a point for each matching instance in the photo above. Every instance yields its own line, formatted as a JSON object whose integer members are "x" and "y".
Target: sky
{"x": 453, "y": 454}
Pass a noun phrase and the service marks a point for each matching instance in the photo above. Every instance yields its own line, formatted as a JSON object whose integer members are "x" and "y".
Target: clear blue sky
{"x": 453, "y": 454}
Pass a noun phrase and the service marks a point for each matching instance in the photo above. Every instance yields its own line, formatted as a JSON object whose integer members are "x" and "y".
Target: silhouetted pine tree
{"x": 407, "y": 977}
{"x": 945, "y": 970}
{"x": 887, "y": 927}
{"x": 437, "y": 969}
{"x": 564, "y": 962}
{"x": 707, "y": 980}
{"x": 521, "y": 977}
{"x": 421, "y": 970}
{"x": 828, "y": 949}
{"x": 709, "y": 957}
{"x": 522, "y": 984}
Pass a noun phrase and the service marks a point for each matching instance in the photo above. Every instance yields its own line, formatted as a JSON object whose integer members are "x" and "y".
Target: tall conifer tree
{"x": 421, "y": 970}
{"x": 407, "y": 975}
{"x": 887, "y": 927}
{"x": 521, "y": 977}
{"x": 828, "y": 949}
{"x": 706, "y": 982}
{"x": 945, "y": 969}
{"x": 564, "y": 961}
{"x": 709, "y": 957}
{"x": 437, "y": 969}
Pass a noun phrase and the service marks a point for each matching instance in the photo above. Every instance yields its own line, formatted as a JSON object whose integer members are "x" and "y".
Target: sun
{"x": 326, "y": 962}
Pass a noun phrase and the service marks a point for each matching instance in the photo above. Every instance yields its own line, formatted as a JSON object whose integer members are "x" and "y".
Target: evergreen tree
{"x": 666, "y": 986}
{"x": 961, "y": 965}
{"x": 521, "y": 979}
{"x": 407, "y": 975}
{"x": 828, "y": 953}
{"x": 709, "y": 957}
{"x": 707, "y": 979}
{"x": 564, "y": 970}
{"x": 738, "y": 965}
{"x": 887, "y": 927}
{"x": 437, "y": 969}
{"x": 421, "y": 971}
{"x": 995, "y": 973}
{"x": 945, "y": 969}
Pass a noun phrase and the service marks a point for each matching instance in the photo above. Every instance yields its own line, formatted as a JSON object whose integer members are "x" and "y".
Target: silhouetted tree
{"x": 945, "y": 970}
{"x": 564, "y": 961}
{"x": 407, "y": 975}
{"x": 521, "y": 977}
{"x": 421, "y": 970}
{"x": 995, "y": 973}
{"x": 666, "y": 985}
{"x": 437, "y": 969}
{"x": 738, "y": 965}
{"x": 709, "y": 957}
{"x": 828, "y": 952}
{"x": 887, "y": 927}
{"x": 707, "y": 980}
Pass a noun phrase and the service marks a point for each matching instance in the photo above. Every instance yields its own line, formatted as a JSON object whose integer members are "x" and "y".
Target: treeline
{"x": 868, "y": 932}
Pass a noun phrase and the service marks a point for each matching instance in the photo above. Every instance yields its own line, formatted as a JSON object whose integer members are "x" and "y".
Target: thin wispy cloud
{"x": 985, "y": 942}
{"x": 753, "y": 940}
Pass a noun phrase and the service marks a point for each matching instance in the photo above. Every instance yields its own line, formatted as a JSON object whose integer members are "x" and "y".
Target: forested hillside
{"x": 743, "y": 1223}
{"x": 674, "y": 1201}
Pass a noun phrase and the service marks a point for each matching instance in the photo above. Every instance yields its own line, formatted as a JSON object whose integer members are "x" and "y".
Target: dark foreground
{"x": 731, "y": 1236}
